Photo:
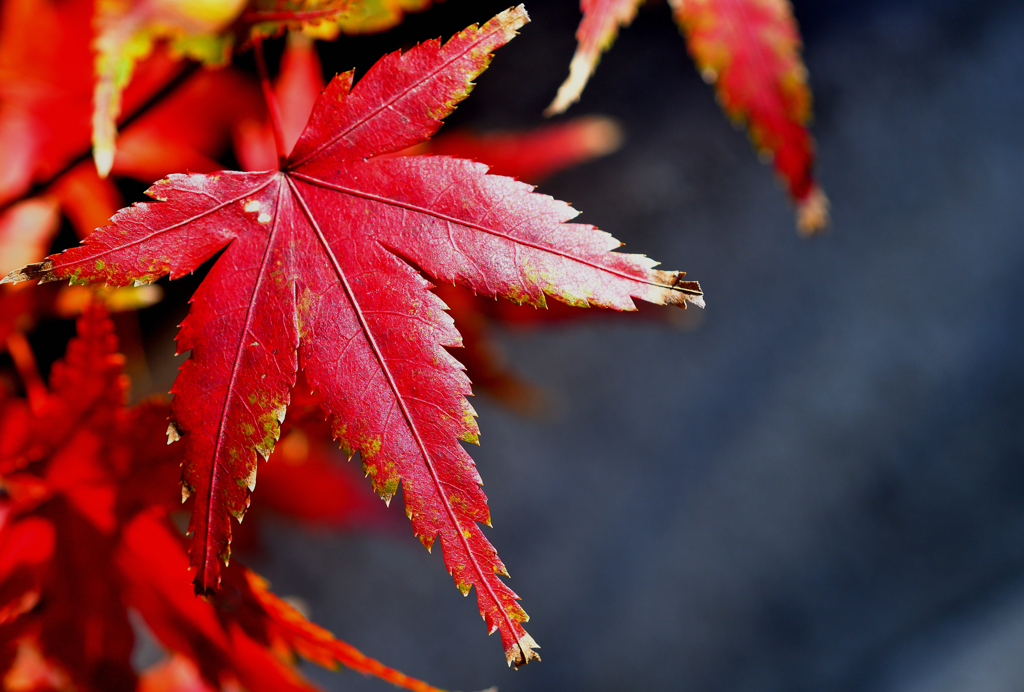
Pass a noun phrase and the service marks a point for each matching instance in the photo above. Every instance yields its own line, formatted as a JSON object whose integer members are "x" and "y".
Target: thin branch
{"x": 268, "y": 95}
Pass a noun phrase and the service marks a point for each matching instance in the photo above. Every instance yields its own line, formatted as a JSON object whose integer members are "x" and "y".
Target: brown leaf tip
{"x": 515, "y": 17}
{"x": 38, "y": 270}
{"x": 173, "y": 434}
{"x": 671, "y": 289}
{"x": 522, "y": 652}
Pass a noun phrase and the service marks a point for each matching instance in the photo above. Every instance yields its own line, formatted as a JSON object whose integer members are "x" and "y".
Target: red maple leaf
{"x": 320, "y": 269}
{"x": 750, "y": 50}
{"x": 596, "y": 33}
{"x": 85, "y": 535}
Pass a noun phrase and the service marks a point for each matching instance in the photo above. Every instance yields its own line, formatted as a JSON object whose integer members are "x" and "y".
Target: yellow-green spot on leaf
{"x": 470, "y": 433}
{"x": 305, "y": 306}
{"x": 389, "y": 489}
{"x": 250, "y": 481}
{"x": 516, "y": 613}
{"x": 266, "y": 445}
{"x": 279, "y": 276}
{"x": 369, "y": 447}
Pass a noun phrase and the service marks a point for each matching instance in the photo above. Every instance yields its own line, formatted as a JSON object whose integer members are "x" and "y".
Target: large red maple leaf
{"x": 320, "y": 268}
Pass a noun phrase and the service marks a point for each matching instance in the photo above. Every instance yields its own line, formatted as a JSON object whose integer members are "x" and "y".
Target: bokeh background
{"x": 817, "y": 486}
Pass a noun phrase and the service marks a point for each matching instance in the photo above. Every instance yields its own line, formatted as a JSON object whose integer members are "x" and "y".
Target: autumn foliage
{"x": 353, "y": 251}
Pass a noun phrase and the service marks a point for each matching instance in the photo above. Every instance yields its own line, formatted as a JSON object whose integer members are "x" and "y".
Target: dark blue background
{"x": 820, "y": 487}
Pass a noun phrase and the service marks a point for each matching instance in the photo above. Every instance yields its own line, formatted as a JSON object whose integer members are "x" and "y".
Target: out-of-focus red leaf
{"x": 46, "y": 62}
{"x": 45, "y": 72}
{"x": 315, "y": 266}
{"x": 596, "y": 33}
{"x": 173, "y": 674}
{"x": 83, "y": 627}
{"x": 86, "y": 199}
{"x": 26, "y": 547}
{"x": 305, "y": 479}
{"x": 244, "y": 632}
{"x": 26, "y": 230}
{"x": 532, "y": 155}
{"x": 188, "y": 129}
{"x": 27, "y": 670}
{"x": 205, "y": 30}
{"x": 126, "y": 33}
{"x": 750, "y": 51}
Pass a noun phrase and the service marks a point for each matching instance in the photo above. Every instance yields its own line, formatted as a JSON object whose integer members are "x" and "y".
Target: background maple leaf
{"x": 750, "y": 51}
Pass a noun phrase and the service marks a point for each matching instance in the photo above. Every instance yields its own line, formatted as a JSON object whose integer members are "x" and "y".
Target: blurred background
{"x": 815, "y": 484}
{"x": 819, "y": 485}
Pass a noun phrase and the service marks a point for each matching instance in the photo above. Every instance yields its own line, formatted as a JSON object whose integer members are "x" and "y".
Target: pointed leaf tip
{"x": 580, "y": 69}
{"x": 596, "y": 33}
{"x": 103, "y": 157}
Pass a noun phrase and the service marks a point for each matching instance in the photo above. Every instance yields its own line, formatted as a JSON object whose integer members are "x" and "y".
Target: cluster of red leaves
{"x": 87, "y": 482}
{"x": 750, "y": 51}
{"x": 323, "y": 251}
{"x": 313, "y": 271}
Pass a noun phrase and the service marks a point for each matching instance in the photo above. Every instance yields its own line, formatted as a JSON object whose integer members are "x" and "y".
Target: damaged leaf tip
{"x": 522, "y": 652}
{"x": 37, "y": 270}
